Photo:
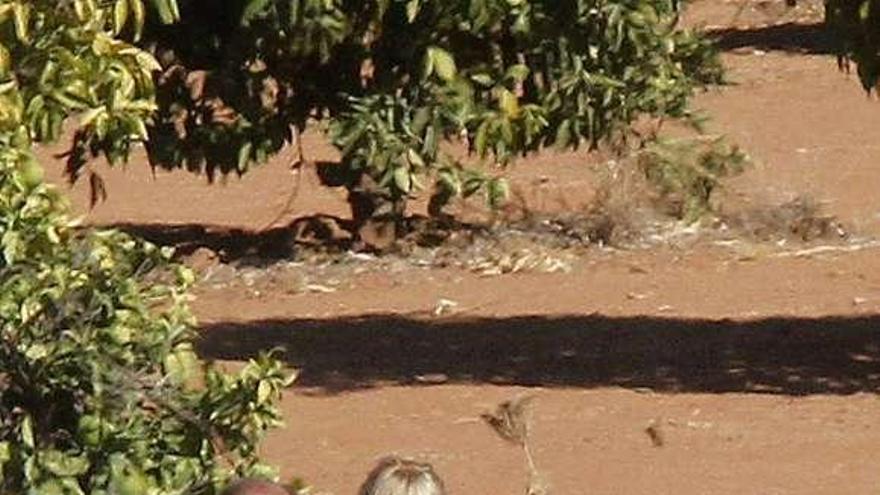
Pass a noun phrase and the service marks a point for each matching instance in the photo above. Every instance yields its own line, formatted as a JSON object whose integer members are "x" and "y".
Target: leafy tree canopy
{"x": 393, "y": 79}
{"x": 855, "y": 25}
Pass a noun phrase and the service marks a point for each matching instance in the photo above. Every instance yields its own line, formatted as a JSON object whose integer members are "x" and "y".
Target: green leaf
{"x": 27, "y": 432}
{"x": 182, "y": 364}
{"x": 244, "y": 156}
{"x": 428, "y": 64}
{"x": 5, "y": 61}
{"x": 563, "y": 134}
{"x": 509, "y": 103}
{"x": 86, "y": 118}
{"x": 48, "y": 487}
{"x": 483, "y": 79}
{"x": 167, "y": 9}
{"x": 5, "y": 454}
{"x": 414, "y": 159}
{"x": 252, "y": 10}
{"x": 63, "y": 465}
{"x": 90, "y": 430}
{"x": 13, "y": 247}
{"x": 402, "y": 179}
{"x": 498, "y": 192}
{"x": 518, "y": 73}
{"x": 120, "y": 15}
{"x": 131, "y": 481}
{"x": 21, "y": 15}
{"x": 264, "y": 392}
{"x": 36, "y": 351}
{"x": 443, "y": 63}
{"x": 412, "y": 10}
{"x": 865, "y": 10}
{"x": 137, "y": 9}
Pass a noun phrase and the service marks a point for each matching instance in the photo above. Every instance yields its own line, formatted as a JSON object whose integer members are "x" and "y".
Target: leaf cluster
{"x": 101, "y": 391}
{"x": 396, "y": 78}
{"x": 686, "y": 172}
{"x": 855, "y": 25}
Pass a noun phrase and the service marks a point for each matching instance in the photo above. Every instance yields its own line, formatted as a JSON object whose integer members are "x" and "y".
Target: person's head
{"x": 396, "y": 476}
{"x": 251, "y": 486}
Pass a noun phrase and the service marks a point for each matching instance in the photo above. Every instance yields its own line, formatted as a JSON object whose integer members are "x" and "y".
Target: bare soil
{"x": 759, "y": 362}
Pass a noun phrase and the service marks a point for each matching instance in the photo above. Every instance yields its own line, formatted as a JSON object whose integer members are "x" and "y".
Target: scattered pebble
{"x": 444, "y": 306}
{"x": 321, "y": 289}
{"x": 432, "y": 378}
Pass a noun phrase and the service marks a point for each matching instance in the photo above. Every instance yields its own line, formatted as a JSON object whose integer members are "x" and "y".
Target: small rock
{"x": 220, "y": 274}
{"x": 321, "y": 289}
{"x": 444, "y": 306}
{"x": 432, "y": 378}
{"x": 201, "y": 259}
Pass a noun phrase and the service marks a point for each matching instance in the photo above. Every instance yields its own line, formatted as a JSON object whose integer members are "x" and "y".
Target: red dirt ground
{"x": 761, "y": 370}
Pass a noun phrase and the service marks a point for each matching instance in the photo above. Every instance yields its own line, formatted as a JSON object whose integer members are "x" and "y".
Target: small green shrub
{"x": 685, "y": 172}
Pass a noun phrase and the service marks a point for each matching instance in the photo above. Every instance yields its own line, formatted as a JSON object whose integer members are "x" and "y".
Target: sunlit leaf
{"x": 443, "y": 63}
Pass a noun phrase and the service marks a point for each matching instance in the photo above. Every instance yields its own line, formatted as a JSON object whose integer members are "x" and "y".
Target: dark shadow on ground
{"x": 324, "y": 233}
{"x": 233, "y": 244}
{"x": 779, "y": 356}
{"x": 790, "y": 37}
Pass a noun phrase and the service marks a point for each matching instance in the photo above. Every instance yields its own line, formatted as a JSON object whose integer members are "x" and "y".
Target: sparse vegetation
{"x": 685, "y": 173}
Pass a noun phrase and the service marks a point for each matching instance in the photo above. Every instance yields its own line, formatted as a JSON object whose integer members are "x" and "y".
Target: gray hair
{"x": 396, "y": 476}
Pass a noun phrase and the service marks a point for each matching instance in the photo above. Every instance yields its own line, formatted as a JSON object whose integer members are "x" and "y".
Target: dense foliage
{"x": 100, "y": 390}
{"x": 394, "y": 79}
{"x": 855, "y": 25}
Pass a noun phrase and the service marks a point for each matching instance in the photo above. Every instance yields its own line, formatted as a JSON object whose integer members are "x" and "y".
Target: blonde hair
{"x": 396, "y": 476}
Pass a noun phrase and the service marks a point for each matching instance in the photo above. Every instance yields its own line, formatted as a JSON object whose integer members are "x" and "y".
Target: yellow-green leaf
{"x": 5, "y": 60}
{"x": 402, "y": 179}
{"x": 244, "y": 156}
{"x": 79, "y": 7}
{"x": 89, "y": 116}
{"x": 168, "y": 13}
{"x": 182, "y": 364}
{"x": 120, "y": 15}
{"x": 508, "y": 103}
{"x": 443, "y": 63}
{"x": 22, "y": 14}
{"x": 412, "y": 10}
{"x": 414, "y": 158}
{"x": 137, "y": 9}
{"x": 264, "y": 392}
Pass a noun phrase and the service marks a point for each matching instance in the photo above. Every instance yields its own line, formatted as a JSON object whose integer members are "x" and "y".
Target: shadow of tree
{"x": 263, "y": 247}
{"x": 811, "y": 39}
{"x": 235, "y": 244}
{"x": 787, "y": 356}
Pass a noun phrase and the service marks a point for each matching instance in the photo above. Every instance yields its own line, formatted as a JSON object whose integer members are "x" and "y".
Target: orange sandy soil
{"x": 761, "y": 369}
